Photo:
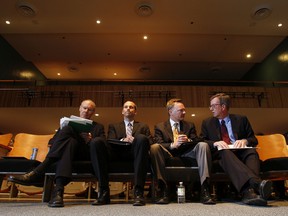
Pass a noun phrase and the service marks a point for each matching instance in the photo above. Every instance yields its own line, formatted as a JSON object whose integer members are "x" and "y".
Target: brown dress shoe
{"x": 29, "y": 179}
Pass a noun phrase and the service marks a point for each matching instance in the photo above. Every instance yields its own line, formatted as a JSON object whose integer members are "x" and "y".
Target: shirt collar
{"x": 226, "y": 119}
{"x": 127, "y": 122}
{"x": 173, "y": 122}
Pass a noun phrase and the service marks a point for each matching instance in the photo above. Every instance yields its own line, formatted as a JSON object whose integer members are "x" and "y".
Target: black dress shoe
{"x": 138, "y": 198}
{"x": 251, "y": 198}
{"x": 206, "y": 197}
{"x": 29, "y": 179}
{"x": 57, "y": 198}
{"x": 265, "y": 189}
{"x": 103, "y": 199}
{"x": 165, "y": 196}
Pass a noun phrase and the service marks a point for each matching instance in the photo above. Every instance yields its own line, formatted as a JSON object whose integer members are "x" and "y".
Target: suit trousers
{"x": 240, "y": 165}
{"x": 138, "y": 153}
{"x": 68, "y": 147}
{"x": 201, "y": 152}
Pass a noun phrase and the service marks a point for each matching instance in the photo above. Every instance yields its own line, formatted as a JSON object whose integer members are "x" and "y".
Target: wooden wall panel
{"x": 143, "y": 95}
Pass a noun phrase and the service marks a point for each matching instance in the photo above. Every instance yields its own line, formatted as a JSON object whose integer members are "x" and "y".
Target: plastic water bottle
{"x": 181, "y": 193}
{"x": 34, "y": 154}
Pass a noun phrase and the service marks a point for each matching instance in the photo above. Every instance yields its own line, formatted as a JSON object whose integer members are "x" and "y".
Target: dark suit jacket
{"x": 118, "y": 130}
{"x": 164, "y": 135}
{"x": 211, "y": 132}
{"x": 96, "y": 131}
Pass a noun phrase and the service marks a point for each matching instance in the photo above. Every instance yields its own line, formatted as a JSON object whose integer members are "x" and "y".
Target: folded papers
{"x": 77, "y": 123}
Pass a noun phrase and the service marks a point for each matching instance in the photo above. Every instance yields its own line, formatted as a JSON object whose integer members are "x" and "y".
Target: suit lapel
{"x": 122, "y": 128}
{"x": 216, "y": 124}
{"x": 135, "y": 127}
{"x": 234, "y": 125}
{"x": 168, "y": 129}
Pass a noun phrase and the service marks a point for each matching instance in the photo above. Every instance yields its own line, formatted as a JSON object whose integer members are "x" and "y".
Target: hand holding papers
{"x": 232, "y": 147}
{"x": 77, "y": 123}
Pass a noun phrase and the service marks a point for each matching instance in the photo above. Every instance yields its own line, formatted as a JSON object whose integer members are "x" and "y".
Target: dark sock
{"x": 61, "y": 182}
{"x": 255, "y": 183}
{"x": 42, "y": 167}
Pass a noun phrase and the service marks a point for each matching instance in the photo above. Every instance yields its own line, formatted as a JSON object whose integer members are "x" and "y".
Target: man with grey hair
{"x": 223, "y": 131}
{"x": 69, "y": 145}
{"x": 178, "y": 138}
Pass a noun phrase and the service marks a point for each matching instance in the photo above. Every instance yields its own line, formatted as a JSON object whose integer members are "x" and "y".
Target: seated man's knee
{"x": 203, "y": 145}
{"x": 155, "y": 148}
{"x": 97, "y": 142}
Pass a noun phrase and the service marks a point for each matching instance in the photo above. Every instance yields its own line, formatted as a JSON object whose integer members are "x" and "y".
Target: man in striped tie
{"x": 138, "y": 135}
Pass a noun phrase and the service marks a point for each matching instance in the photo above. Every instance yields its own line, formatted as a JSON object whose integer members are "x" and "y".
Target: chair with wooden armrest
{"x": 17, "y": 161}
{"x": 4, "y": 143}
{"x": 273, "y": 154}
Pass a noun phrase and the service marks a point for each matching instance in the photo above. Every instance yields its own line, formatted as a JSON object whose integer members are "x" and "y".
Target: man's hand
{"x": 128, "y": 139}
{"x": 86, "y": 136}
{"x": 240, "y": 143}
{"x": 182, "y": 138}
{"x": 221, "y": 145}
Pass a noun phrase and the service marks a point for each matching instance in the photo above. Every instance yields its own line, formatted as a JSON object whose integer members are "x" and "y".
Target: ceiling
{"x": 187, "y": 39}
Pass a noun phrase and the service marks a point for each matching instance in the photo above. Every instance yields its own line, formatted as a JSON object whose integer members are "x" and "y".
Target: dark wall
{"x": 273, "y": 68}
{"x": 14, "y": 67}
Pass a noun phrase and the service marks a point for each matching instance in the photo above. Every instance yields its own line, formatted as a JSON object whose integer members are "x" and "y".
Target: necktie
{"x": 129, "y": 129}
{"x": 224, "y": 132}
{"x": 175, "y": 131}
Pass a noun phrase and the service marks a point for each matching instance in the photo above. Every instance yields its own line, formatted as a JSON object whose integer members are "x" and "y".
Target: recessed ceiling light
{"x": 248, "y": 55}
{"x": 98, "y": 21}
{"x": 280, "y": 25}
{"x": 261, "y": 12}
{"x": 7, "y": 22}
{"x": 145, "y": 37}
{"x": 193, "y": 115}
{"x": 58, "y": 74}
{"x": 144, "y": 9}
{"x": 97, "y": 114}
{"x": 115, "y": 74}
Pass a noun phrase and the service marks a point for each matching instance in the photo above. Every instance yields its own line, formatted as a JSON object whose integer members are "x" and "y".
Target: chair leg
{"x": 89, "y": 190}
{"x": 13, "y": 191}
{"x": 127, "y": 191}
{"x": 47, "y": 189}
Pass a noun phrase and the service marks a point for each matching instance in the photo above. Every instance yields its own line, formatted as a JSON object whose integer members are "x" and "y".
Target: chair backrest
{"x": 271, "y": 146}
{"x": 24, "y": 143}
{"x": 5, "y": 139}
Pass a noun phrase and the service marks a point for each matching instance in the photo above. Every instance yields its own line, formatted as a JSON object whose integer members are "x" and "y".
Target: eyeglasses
{"x": 214, "y": 105}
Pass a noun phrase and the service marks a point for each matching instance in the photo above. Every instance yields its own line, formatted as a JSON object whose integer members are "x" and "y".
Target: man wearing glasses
{"x": 224, "y": 131}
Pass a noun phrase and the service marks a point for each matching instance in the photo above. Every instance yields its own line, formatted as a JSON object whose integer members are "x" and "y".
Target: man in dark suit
{"x": 139, "y": 136}
{"x": 169, "y": 144}
{"x": 68, "y": 145}
{"x": 224, "y": 130}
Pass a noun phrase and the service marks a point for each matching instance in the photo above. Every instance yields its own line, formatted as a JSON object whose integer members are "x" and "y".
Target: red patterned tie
{"x": 224, "y": 132}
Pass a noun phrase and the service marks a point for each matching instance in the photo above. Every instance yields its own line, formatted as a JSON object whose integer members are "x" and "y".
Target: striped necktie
{"x": 129, "y": 129}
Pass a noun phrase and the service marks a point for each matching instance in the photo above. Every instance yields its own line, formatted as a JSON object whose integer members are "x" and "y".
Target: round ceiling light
{"x": 144, "y": 9}
{"x": 26, "y": 9}
{"x": 261, "y": 13}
